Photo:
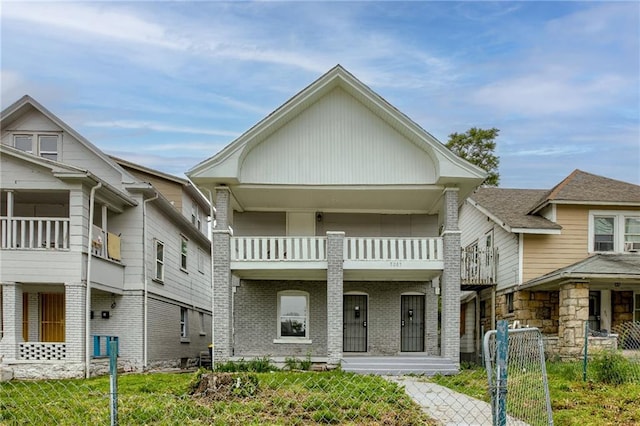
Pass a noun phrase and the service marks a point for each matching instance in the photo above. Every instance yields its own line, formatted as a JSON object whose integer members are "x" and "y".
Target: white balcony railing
{"x": 34, "y": 233}
{"x": 315, "y": 249}
{"x": 478, "y": 266}
{"x": 393, "y": 249}
{"x": 279, "y": 249}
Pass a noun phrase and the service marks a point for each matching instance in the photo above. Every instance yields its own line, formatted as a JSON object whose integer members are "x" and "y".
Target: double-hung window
{"x": 614, "y": 231}
{"x": 44, "y": 145}
{"x": 293, "y": 317}
{"x": 184, "y": 323}
{"x": 183, "y": 252}
{"x": 195, "y": 215}
{"x": 159, "y": 272}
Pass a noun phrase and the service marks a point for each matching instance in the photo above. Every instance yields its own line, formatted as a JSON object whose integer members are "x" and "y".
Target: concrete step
{"x": 399, "y": 365}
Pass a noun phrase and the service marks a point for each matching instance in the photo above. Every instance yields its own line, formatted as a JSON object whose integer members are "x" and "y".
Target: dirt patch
{"x": 225, "y": 386}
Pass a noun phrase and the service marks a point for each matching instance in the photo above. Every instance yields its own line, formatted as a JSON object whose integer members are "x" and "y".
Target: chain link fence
{"x": 612, "y": 357}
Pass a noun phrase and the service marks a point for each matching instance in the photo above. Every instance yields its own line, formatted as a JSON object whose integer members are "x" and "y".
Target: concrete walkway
{"x": 448, "y": 407}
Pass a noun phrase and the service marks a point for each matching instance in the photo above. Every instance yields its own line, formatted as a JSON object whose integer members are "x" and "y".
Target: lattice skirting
{"x": 43, "y": 351}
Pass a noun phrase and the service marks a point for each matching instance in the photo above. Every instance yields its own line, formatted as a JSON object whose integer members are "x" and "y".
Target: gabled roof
{"x": 68, "y": 172}
{"x": 453, "y": 169}
{"x": 186, "y": 184}
{"x": 509, "y": 208}
{"x": 26, "y": 102}
{"x": 600, "y": 266}
{"x": 586, "y": 188}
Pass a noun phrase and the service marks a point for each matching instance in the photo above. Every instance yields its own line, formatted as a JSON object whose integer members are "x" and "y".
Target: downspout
{"x": 145, "y": 344}
{"x": 87, "y": 324}
{"x": 213, "y": 328}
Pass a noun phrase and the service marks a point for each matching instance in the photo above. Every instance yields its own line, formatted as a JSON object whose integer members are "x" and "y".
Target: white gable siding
{"x": 337, "y": 141}
{"x": 33, "y": 121}
{"x": 77, "y": 154}
{"x": 475, "y": 226}
{"x": 70, "y": 150}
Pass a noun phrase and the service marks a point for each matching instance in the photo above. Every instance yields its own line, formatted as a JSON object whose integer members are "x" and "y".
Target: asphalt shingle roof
{"x": 586, "y": 187}
{"x": 511, "y": 206}
{"x": 516, "y": 208}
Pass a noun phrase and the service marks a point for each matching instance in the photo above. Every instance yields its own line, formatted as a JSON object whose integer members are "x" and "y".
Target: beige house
{"x": 336, "y": 231}
{"x": 92, "y": 249}
{"x": 553, "y": 259}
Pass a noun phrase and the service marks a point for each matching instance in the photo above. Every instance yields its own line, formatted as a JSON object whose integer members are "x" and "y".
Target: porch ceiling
{"x": 378, "y": 199}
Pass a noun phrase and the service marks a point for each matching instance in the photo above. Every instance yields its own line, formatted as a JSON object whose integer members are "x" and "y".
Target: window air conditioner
{"x": 633, "y": 247}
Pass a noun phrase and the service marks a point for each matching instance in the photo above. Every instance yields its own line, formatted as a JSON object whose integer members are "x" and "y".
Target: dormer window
{"x": 44, "y": 145}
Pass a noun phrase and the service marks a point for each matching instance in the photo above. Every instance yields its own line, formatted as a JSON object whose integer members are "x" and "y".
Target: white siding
{"x": 353, "y": 145}
{"x": 379, "y": 225}
{"x": 191, "y": 288}
{"x": 475, "y": 226}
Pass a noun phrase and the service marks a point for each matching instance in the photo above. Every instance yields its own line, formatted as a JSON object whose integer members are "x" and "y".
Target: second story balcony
{"x": 364, "y": 257}
{"x": 34, "y": 233}
{"x": 478, "y": 267}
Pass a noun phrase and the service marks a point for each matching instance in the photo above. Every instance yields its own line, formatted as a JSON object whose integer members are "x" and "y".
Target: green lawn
{"x": 282, "y": 398}
{"x": 573, "y": 401}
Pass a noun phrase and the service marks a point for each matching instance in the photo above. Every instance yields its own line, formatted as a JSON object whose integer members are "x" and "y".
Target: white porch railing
{"x": 315, "y": 249}
{"x": 478, "y": 266}
{"x": 33, "y": 233}
{"x": 42, "y": 351}
{"x": 393, "y": 249}
{"x": 278, "y": 249}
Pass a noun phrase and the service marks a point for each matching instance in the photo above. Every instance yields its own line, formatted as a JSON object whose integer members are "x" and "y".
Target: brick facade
{"x": 450, "y": 286}
{"x": 335, "y": 259}
{"x": 222, "y": 287}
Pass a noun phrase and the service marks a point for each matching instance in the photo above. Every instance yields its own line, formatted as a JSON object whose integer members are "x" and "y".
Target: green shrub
{"x": 610, "y": 367}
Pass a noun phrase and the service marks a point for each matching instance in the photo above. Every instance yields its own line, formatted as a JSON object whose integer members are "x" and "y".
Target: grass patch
{"x": 280, "y": 398}
{"x": 598, "y": 402}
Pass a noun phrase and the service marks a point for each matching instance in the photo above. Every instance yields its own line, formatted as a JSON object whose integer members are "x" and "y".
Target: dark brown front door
{"x": 412, "y": 323}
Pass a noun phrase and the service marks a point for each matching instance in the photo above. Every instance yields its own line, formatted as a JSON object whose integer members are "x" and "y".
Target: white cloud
{"x": 94, "y": 19}
{"x": 159, "y": 127}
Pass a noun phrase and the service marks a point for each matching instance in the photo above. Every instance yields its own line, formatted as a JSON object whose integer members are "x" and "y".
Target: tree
{"x": 478, "y": 146}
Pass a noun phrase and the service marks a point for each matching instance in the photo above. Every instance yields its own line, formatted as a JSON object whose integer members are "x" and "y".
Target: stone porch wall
{"x": 538, "y": 309}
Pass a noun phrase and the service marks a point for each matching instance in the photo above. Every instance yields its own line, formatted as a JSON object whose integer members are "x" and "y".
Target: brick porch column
{"x": 450, "y": 284}
{"x": 431, "y": 318}
{"x": 573, "y": 314}
{"x": 12, "y": 320}
{"x": 74, "y": 321}
{"x": 335, "y": 260}
{"x": 222, "y": 312}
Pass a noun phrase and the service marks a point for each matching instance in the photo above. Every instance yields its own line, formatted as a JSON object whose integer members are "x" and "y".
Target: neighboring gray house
{"x": 553, "y": 259}
{"x": 71, "y": 215}
{"x": 336, "y": 231}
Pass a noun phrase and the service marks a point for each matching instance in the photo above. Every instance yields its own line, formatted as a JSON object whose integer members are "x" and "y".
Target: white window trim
{"x": 295, "y": 340}
{"x": 35, "y": 142}
{"x": 201, "y": 258}
{"x": 184, "y": 325}
{"x": 618, "y": 228}
{"x": 201, "y": 320}
{"x": 156, "y": 261}
{"x": 185, "y": 255}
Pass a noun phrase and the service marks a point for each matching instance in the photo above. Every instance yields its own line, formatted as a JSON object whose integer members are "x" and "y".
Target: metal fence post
{"x": 586, "y": 351}
{"x": 113, "y": 380}
{"x": 502, "y": 344}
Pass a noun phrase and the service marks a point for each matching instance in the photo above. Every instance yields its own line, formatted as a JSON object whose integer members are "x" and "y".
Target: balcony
{"x": 478, "y": 268}
{"x": 364, "y": 258}
{"x": 34, "y": 233}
